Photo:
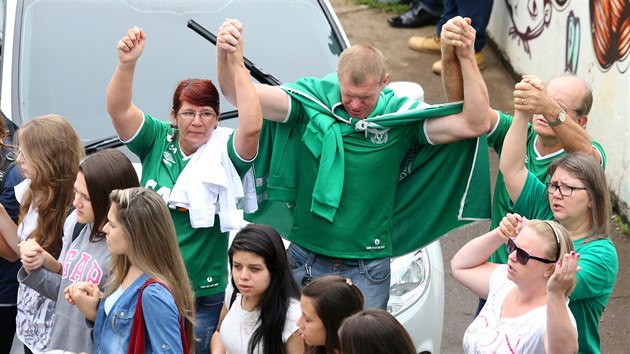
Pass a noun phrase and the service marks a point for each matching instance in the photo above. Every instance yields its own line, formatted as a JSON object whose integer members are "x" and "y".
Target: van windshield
{"x": 65, "y": 51}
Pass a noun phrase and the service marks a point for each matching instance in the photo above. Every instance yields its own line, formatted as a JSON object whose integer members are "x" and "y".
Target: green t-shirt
{"x": 535, "y": 163}
{"x": 205, "y": 249}
{"x": 363, "y": 220}
{"x": 596, "y": 279}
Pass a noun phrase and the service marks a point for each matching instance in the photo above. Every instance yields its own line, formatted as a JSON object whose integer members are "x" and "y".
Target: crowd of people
{"x": 110, "y": 263}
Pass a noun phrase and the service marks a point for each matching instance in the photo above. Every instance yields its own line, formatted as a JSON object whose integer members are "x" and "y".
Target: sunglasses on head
{"x": 521, "y": 255}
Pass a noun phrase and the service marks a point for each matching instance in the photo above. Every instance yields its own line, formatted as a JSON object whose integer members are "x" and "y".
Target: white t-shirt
{"x": 489, "y": 333}
{"x": 239, "y": 325}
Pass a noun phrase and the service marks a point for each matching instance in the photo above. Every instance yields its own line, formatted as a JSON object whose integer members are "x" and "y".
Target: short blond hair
{"x": 360, "y": 63}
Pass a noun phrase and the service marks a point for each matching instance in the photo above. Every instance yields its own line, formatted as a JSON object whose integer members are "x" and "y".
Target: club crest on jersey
{"x": 378, "y": 137}
{"x": 173, "y": 148}
{"x": 168, "y": 159}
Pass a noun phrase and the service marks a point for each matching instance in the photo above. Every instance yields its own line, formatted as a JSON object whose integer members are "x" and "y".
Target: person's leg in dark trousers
{"x": 479, "y": 12}
{"x": 7, "y": 327}
{"x": 450, "y": 11}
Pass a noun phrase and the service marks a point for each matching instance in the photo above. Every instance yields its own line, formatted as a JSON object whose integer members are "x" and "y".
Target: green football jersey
{"x": 362, "y": 224}
{"x": 204, "y": 249}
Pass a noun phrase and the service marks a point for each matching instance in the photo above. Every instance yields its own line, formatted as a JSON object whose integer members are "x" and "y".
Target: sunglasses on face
{"x": 522, "y": 256}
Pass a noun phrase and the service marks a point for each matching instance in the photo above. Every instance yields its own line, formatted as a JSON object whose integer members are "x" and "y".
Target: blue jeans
{"x": 478, "y": 11}
{"x": 371, "y": 276}
{"x": 207, "y": 317}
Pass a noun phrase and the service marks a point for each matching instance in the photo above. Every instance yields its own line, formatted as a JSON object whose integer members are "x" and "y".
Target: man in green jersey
{"x": 349, "y": 165}
{"x": 557, "y": 128}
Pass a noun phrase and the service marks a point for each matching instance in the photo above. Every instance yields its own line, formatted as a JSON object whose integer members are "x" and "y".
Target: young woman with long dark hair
{"x": 262, "y": 308}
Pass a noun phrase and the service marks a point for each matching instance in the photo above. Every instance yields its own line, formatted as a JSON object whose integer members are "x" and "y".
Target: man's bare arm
{"x": 273, "y": 100}
{"x": 477, "y": 116}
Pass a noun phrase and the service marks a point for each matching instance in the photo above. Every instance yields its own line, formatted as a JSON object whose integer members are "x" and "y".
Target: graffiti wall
{"x": 590, "y": 38}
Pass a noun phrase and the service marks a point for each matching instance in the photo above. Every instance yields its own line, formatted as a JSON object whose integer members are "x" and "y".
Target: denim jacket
{"x": 161, "y": 320}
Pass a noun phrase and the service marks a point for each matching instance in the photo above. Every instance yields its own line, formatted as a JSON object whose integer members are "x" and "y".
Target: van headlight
{"x": 409, "y": 280}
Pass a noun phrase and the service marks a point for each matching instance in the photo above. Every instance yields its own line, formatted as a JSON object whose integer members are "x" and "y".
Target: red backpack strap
{"x": 137, "y": 339}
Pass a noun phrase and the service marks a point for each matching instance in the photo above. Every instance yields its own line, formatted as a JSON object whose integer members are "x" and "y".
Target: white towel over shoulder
{"x": 209, "y": 185}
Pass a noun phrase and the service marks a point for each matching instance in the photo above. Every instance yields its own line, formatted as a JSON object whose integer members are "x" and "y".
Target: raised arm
{"x": 452, "y": 79}
{"x": 561, "y": 334}
{"x": 126, "y": 117}
{"x": 512, "y": 162}
{"x": 476, "y": 118}
{"x": 470, "y": 264}
{"x": 535, "y": 99}
{"x": 249, "y": 111}
{"x": 273, "y": 100}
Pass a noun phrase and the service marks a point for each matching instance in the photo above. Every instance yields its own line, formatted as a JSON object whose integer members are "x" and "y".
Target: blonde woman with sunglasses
{"x": 527, "y": 299}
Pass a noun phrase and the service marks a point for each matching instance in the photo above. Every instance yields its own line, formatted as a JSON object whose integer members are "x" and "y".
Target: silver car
{"x": 58, "y": 57}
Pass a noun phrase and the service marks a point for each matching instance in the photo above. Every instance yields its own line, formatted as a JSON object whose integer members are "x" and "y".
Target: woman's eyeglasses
{"x": 522, "y": 256}
{"x": 564, "y": 189}
{"x": 189, "y": 115}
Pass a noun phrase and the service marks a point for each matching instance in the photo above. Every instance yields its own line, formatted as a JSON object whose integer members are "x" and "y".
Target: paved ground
{"x": 366, "y": 25}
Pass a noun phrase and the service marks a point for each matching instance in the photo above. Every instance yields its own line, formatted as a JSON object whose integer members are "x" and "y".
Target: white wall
{"x": 552, "y": 36}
